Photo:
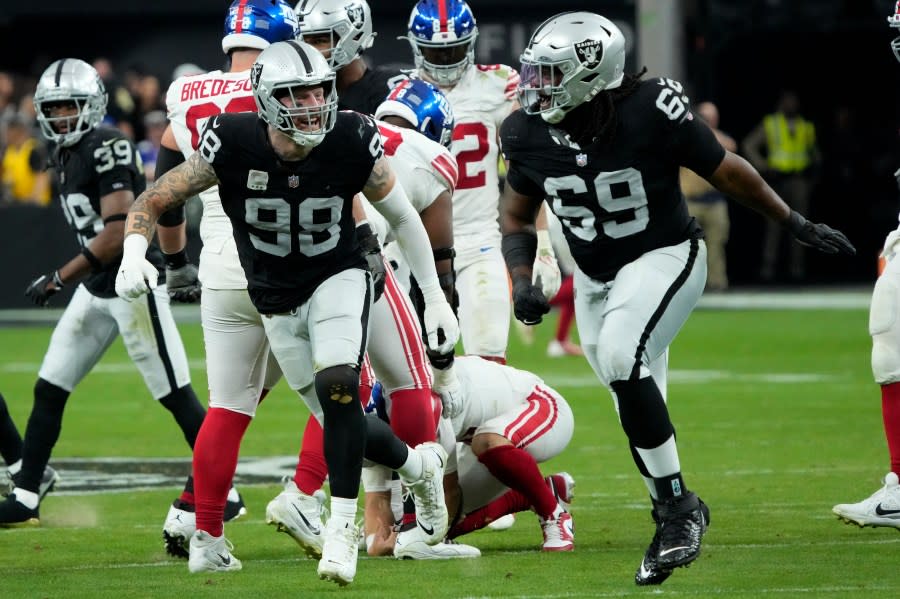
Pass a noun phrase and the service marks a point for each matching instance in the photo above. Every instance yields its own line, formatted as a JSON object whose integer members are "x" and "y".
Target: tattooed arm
{"x": 137, "y": 275}
{"x": 171, "y": 190}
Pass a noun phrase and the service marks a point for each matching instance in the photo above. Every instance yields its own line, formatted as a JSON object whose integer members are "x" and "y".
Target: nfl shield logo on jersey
{"x": 293, "y": 181}
{"x": 581, "y": 159}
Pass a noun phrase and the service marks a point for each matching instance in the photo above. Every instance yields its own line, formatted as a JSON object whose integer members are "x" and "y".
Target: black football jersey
{"x": 293, "y": 221}
{"x": 371, "y": 90}
{"x": 616, "y": 199}
{"x": 102, "y": 162}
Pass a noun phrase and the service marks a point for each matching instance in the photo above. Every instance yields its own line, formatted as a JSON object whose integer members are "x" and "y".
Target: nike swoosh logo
{"x": 225, "y": 559}
{"x": 883, "y": 512}
{"x": 428, "y": 531}
{"x": 109, "y": 142}
{"x": 645, "y": 572}
{"x": 668, "y": 551}
{"x": 314, "y": 529}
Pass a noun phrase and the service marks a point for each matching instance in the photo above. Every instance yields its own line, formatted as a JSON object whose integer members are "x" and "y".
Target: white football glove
{"x": 446, "y": 385}
{"x": 136, "y": 275}
{"x": 439, "y": 316}
{"x": 545, "y": 274}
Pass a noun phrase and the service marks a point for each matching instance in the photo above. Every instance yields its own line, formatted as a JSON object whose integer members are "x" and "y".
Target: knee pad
{"x": 885, "y": 330}
{"x": 337, "y": 386}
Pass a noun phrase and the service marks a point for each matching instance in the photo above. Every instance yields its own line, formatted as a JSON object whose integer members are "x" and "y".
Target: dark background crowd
{"x": 741, "y": 55}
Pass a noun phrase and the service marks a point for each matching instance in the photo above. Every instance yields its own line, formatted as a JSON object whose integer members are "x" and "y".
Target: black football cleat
{"x": 14, "y": 514}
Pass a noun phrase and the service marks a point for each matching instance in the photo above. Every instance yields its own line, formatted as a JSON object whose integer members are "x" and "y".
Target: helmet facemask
{"x": 449, "y": 60}
{"x": 541, "y": 90}
{"x": 306, "y": 124}
{"x": 347, "y": 25}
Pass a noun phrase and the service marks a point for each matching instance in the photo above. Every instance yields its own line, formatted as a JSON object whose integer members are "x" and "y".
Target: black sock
{"x": 187, "y": 410}
{"x": 10, "y": 440}
{"x": 41, "y": 433}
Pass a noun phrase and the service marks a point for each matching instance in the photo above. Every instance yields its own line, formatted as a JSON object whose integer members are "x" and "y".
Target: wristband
{"x": 95, "y": 263}
{"x": 176, "y": 260}
{"x": 57, "y": 280}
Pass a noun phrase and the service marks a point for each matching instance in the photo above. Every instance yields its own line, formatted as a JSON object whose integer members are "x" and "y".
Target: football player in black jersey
{"x": 100, "y": 173}
{"x": 342, "y": 31}
{"x": 605, "y": 149}
{"x": 287, "y": 177}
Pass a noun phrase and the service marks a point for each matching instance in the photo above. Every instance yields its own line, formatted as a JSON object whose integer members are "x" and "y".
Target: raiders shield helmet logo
{"x": 589, "y": 52}
{"x": 255, "y": 73}
{"x": 356, "y": 15}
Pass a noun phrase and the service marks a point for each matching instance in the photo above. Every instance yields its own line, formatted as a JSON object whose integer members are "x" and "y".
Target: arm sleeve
{"x": 412, "y": 237}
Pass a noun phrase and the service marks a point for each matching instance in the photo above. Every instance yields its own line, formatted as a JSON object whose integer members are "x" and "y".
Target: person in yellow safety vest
{"x": 783, "y": 148}
{"x": 24, "y": 162}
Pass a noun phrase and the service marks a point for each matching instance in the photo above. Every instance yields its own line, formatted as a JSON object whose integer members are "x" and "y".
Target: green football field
{"x": 777, "y": 419}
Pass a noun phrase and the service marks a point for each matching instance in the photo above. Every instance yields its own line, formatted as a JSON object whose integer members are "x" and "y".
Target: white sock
{"x": 663, "y": 460}
{"x": 233, "y": 495}
{"x": 343, "y": 510}
{"x": 27, "y": 498}
{"x": 413, "y": 468}
{"x": 397, "y": 499}
{"x": 15, "y": 467}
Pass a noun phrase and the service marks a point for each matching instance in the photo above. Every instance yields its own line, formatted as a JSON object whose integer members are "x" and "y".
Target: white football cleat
{"x": 412, "y": 544}
{"x": 428, "y": 492}
{"x": 179, "y": 527}
{"x": 211, "y": 554}
{"x": 339, "y": 553}
{"x": 559, "y": 531}
{"x": 882, "y": 508}
{"x": 503, "y": 522}
{"x": 299, "y": 515}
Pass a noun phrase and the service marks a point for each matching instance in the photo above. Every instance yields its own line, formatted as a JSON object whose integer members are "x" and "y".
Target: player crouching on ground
{"x": 497, "y": 425}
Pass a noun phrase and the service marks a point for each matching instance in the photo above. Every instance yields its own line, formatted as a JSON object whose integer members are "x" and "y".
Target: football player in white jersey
{"x": 507, "y": 422}
{"x": 238, "y": 361}
{"x": 427, "y": 172}
{"x": 882, "y": 508}
{"x": 442, "y": 34}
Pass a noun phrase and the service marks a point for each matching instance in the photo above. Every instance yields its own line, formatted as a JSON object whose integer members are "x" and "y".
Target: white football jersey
{"x": 424, "y": 168}
{"x": 488, "y": 390}
{"x": 482, "y": 98}
{"x": 191, "y": 101}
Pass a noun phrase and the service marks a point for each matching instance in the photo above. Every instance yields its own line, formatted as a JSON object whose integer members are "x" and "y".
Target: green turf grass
{"x": 777, "y": 419}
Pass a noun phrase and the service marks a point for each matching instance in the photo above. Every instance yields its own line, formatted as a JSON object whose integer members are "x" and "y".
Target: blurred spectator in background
{"x": 154, "y": 123}
{"x": 710, "y": 206}
{"x": 121, "y": 106}
{"x": 7, "y": 102}
{"x": 25, "y": 178}
{"x": 149, "y": 97}
{"x": 783, "y": 148}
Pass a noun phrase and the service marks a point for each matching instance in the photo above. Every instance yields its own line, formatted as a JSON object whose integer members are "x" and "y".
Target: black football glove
{"x": 43, "y": 288}
{"x": 182, "y": 284}
{"x": 371, "y": 251}
{"x": 819, "y": 236}
{"x": 529, "y": 302}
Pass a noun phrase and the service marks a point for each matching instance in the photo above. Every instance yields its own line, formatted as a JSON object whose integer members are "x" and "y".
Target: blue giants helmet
{"x": 442, "y": 35}
{"x": 423, "y": 105}
{"x": 258, "y": 23}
